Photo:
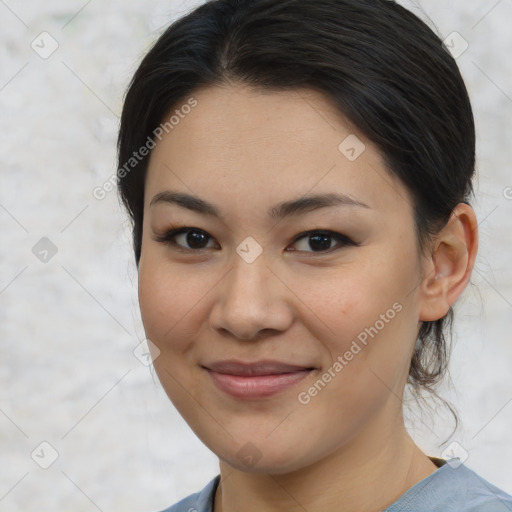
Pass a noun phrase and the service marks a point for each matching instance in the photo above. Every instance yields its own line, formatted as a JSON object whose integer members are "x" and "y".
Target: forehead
{"x": 245, "y": 146}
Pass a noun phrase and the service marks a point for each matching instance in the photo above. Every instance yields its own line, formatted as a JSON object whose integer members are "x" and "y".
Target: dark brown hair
{"x": 384, "y": 69}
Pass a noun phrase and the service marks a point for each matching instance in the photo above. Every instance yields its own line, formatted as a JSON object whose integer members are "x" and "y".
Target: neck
{"x": 362, "y": 475}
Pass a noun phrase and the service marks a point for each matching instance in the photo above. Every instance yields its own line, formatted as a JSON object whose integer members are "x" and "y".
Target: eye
{"x": 192, "y": 239}
{"x": 321, "y": 241}
{"x": 195, "y": 238}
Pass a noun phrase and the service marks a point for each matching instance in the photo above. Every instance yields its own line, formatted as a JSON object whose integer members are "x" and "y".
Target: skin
{"x": 246, "y": 150}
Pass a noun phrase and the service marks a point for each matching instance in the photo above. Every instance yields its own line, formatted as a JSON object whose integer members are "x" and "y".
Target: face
{"x": 328, "y": 287}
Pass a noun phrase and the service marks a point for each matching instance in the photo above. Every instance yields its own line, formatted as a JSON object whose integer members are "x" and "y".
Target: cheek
{"x": 366, "y": 314}
{"x": 165, "y": 298}
{"x": 172, "y": 302}
{"x": 169, "y": 303}
{"x": 346, "y": 300}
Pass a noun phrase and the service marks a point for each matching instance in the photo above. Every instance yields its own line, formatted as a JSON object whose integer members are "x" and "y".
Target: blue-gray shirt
{"x": 451, "y": 488}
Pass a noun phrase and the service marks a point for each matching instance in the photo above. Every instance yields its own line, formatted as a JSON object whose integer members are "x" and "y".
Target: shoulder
{"x": 453, "y": 488}
{"x": 481, "y": 495}
{"x": 201, "y": 501}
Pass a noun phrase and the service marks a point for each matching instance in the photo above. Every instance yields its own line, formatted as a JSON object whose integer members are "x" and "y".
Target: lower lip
{"x": 256, "y": 386}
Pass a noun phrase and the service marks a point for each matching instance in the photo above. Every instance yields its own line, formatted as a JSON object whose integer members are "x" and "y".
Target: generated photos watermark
{"x": 304, "y": 397}
{"x": 108, "y": 185}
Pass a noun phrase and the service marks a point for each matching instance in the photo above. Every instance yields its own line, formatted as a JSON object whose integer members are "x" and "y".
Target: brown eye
{"x": 186, "y": 238}
{"x": 322, "y": 241}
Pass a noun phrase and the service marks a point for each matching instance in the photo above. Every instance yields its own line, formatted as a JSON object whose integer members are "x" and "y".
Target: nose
{"x": 251, "y": 299}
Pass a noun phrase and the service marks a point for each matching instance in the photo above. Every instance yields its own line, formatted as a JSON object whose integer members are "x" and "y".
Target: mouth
{"x": 258, "y": 380}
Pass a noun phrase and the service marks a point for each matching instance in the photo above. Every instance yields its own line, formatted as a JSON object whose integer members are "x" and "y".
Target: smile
{"x": 255, "y": 381}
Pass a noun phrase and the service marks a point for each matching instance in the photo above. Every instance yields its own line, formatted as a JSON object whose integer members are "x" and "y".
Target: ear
{"x": 448, "y": 267}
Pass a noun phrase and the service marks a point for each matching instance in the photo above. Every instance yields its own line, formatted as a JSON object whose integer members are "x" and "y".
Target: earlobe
{"x": 450, "y": 264}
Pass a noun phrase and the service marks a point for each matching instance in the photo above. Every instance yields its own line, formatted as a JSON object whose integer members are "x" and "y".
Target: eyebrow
{"x": 293, "y": 207}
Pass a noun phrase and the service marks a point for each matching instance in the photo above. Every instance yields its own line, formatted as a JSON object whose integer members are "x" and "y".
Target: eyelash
{"x": 168, "y": 239}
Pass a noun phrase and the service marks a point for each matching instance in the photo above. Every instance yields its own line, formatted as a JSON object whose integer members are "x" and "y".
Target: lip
{"x": 256, "y": 380}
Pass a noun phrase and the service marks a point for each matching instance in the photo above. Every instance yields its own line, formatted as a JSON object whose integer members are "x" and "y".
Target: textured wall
{"x": 69, "y": 320}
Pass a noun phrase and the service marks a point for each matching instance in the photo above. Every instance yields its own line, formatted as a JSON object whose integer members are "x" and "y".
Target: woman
{"x": 298, "y": 174}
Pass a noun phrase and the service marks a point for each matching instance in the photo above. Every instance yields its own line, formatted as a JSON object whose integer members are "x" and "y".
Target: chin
{"x": 267, "y": 466}
{"x": 263, "y": 458}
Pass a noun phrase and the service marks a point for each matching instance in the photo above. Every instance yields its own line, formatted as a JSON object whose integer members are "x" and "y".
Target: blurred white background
{"x": 68, "y": 326}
